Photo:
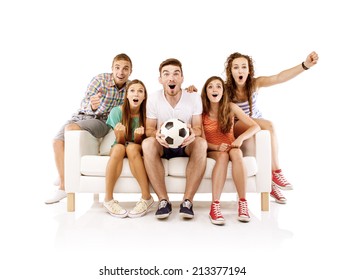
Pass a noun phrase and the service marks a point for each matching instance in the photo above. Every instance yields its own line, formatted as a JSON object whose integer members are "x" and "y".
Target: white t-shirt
{"x": 158, "y": 108}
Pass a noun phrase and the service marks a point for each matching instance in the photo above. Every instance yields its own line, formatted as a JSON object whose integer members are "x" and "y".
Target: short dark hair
{"x": 122, "y": 56}
{"x": 171, "y": 61}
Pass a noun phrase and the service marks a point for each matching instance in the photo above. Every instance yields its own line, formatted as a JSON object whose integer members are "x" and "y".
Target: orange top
{"x": 213, "y": 134}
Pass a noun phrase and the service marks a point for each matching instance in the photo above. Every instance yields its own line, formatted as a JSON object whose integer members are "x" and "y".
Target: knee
{"x": 133, "y": 150}
{"x": 130, "y": 148}
{"x": 117, "y": 152}
{"x": 148, "y": 145}
{"x": 236, "y": 155}
{"x": 201, "y": 145}
{"x": 72, "y": 126}
{"x": 222, "y": 158}
{"x": 268, "y": 125}
{"x": 58, "y": 144}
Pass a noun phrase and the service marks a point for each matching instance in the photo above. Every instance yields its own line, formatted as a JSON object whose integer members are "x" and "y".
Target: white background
{"x": 50, "y": 50}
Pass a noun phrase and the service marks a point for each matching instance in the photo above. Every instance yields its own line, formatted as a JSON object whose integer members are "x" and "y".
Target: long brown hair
{"x": 126, "y": 114}
{"x": 230, "y": 83}
{"x": 223, "y": 118}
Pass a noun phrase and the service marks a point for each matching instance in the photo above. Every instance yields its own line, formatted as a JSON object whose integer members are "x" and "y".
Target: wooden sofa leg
{"x": 264, "y": 201}
{"x": 70, "y": 202}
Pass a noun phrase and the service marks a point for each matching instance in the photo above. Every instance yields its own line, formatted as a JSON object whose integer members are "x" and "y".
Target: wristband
{"x": 304, "y": 66}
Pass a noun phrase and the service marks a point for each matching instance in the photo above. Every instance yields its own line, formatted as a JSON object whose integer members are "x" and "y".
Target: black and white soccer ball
{"x": 175, "y": 131}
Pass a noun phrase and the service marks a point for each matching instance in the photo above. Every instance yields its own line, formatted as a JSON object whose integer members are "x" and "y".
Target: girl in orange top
{"x": 218, "y": 119}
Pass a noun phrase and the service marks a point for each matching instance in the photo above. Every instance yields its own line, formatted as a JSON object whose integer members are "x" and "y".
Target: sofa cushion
{"x": 106, "y": 143}
{"x": 92, "y": 165}
{"x": 177, "y": 167}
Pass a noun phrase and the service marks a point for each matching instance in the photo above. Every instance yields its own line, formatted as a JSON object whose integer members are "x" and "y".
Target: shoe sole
{"x": 163, "y": 216}
{"x": 244, "y": 219}
{"x": 55, "y": 201}
{"x": 117, "y": 215}
{"x": 287, "y": 188}
{"x": 279, "y": 201}
{"x": 52, "y": 202}
{"x": 217, "y": 222}
{"x": 186, "y": 216}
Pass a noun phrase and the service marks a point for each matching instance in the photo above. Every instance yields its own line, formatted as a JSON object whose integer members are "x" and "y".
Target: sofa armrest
{"x": 77, "y": 144}
{"x": 263, "y": 157}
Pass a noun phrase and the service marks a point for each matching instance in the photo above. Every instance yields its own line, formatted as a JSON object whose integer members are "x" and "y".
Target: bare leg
{"x": 58, "y": 146}
{"x": 138, "y": 169}
{"x": 219, "y": 173}
{"x": 59, "y": 150}
{"x": 240, "y": 127}
{"x": 113, "y": 169}
{"x": 197, "y": 152}
{"x": 268, "y": 125}
{"x": 152, "y": 152}
{"x": 238, "y": 172}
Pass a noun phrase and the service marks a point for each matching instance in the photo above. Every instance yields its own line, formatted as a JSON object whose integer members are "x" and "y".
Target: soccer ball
{"x": 175, "y": 131}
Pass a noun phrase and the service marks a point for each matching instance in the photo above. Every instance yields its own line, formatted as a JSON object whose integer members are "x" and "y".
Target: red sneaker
{"x": 243, "y": 215}
{"x": 215, "y": 214}
{"x": 277, "y": 195}
{"x": 280, "y": 181}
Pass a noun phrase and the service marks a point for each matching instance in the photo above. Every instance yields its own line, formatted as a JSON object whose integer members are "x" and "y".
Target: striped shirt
{"x": 256, "y": 114}
{"x": 213, "y": 135}
{"x": 111, "y": 95}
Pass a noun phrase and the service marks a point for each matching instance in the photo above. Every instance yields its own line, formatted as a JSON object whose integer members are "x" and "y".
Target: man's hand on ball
{"x": 161, "y": 139}
{"x": 188, "y": 140}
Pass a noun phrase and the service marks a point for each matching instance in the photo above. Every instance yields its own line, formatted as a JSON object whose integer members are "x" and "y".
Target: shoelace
{"x": 243, "y": 210}
{"x": 141, "y": 205}
{"x": 276, "y": 192}
{"x": 116, "y": 207}
{"x": 187, "y": 203}
{"x": 162, "y": 204}
{"x": 217, "y": 209}
{"x": 280, "y": 177}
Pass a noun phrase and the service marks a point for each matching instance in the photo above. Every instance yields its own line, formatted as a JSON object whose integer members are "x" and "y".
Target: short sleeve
{"x": 114, "y": 117}
{"x": 198, "y": 105}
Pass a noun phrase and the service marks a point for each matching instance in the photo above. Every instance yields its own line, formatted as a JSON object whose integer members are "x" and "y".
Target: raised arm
{"x": 286, "y": 75}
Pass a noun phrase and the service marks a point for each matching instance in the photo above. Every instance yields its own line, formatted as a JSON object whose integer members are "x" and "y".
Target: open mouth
{"x": 241, "y": 77}
{"x": 215, "y": 94}
{"x": 136, "y": 100}
{"x": 172, "y": 86}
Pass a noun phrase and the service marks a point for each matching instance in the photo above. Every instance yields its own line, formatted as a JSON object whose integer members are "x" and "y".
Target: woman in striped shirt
{"x": 243, "y": 87}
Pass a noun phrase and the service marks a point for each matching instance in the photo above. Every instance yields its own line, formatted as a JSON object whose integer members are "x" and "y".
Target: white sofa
{"x": 86, "y": 159}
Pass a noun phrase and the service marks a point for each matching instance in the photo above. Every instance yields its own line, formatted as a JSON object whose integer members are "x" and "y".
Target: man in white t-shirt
{"x": 173, "y": 102}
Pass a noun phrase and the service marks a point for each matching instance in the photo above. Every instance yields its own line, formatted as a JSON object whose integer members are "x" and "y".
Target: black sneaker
{"x": 186, "y": 209}
{"x": 164, "y": 209}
